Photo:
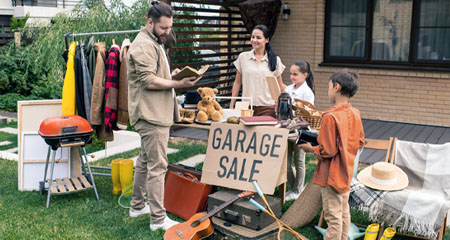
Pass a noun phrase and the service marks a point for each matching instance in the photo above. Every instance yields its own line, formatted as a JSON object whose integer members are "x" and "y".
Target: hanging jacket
{"x": 98, "y": 85}
{"x": 79, "y": 88}
{"x": 98, "y": 94}
{"x": 87, "y": 85}
{"x": 90, "y": 56}
{"x": 112, "y": 67}
{"x": 68, "y": 92}
{"x": 122, "y": 101}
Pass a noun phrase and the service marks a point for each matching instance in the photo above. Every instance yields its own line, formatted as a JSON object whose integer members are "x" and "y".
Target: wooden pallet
{"x": 70, "y": 185}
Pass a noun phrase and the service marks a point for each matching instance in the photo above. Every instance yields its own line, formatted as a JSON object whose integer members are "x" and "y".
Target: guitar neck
{"x": 219, "y": 208}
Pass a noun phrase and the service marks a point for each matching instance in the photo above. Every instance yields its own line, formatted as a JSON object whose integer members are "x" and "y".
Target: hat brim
{"x": 401, "y": 182}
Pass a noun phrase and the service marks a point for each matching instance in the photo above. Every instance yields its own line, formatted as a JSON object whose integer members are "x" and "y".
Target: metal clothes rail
{"x": 67, "y": 35}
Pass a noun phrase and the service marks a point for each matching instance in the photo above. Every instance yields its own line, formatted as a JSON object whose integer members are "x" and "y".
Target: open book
{"x": 190, "y": 72}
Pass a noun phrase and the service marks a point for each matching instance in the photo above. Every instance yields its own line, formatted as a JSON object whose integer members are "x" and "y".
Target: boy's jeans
{"x": 336, "y": 213}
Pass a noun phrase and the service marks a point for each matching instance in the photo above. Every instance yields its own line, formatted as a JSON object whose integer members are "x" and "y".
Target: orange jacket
{"x": 340, "y": 137}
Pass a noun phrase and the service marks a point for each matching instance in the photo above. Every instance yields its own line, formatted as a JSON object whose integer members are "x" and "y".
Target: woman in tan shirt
{"x": 252, "y": 69}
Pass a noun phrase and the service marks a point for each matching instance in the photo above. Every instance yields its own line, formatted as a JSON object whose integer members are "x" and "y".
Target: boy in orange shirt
{"x": 340, "y": 137}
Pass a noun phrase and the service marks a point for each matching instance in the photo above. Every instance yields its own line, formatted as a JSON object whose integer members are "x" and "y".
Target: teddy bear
{"x": 208, "y": 108}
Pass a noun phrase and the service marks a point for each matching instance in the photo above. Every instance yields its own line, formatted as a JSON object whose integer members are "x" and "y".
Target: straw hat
{"x": 383, "y": 176}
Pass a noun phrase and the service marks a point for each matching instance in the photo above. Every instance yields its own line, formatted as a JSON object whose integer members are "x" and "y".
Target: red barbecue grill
{"x": 66, "y": 131}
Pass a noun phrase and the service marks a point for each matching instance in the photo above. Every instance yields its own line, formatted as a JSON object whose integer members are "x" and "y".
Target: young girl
{"x": 302, "y": 87}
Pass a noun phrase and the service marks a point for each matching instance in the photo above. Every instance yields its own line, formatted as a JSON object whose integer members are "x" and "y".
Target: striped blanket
{"x": 419, "y": 209}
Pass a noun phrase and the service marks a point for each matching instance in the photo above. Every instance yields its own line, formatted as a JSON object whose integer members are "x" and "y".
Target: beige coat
{"x": 98, "y": 94}
{"x": 122, "y": 102}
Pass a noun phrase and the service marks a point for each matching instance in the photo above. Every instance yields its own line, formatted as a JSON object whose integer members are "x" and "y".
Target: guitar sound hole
{"x": 195, "y": 224}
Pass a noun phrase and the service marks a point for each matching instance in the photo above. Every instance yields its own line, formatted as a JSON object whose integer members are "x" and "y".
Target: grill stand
{"x": 68, "y": 185}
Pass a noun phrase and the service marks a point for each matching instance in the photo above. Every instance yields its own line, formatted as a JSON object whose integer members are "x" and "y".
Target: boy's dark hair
{"x": 158, "y": 10}
{"x": 348, "y": 80}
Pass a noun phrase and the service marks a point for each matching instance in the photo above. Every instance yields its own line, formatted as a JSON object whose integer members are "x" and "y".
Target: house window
{"x": 433, "y": 31}
{"x": 394, "y": 32}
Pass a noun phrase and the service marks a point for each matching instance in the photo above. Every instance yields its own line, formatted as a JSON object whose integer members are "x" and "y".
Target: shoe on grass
{"x": 290, "y": 195}
{"x": 167, "y": 223}
{"x": 136, "y": 213}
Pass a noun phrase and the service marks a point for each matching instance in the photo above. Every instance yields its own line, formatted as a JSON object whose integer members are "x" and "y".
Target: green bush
{"x": 37, "y": 70}
{"x": 18, "y": 23}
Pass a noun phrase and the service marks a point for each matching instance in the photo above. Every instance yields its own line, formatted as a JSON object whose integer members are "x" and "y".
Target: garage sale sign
{"x": 238, "y": 154}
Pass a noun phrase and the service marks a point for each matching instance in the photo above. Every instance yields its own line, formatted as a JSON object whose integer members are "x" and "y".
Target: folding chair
{"x": 444, "y": 224}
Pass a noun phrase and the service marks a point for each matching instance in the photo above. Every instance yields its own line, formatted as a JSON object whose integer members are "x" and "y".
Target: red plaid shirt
{"x": 112, "y": 66}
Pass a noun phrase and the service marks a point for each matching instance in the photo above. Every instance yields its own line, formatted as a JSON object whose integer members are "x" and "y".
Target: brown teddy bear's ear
{"x": 215, "y": 90}
{"x": 199, "y": 90}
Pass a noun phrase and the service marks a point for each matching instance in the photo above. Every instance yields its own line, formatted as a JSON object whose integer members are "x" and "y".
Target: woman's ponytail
{"x": 270, "y": 53}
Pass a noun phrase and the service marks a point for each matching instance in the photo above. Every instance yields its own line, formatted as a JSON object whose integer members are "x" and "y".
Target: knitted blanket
{"x": 362, "y": 197}
{"x": 419, "y": 209}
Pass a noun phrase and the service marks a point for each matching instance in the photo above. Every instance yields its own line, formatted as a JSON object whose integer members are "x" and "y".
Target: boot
{"x": 388, "y": 234}
{"x": 372, "y": 231}
{"x": 115, "y": 176}
{"x": 126, "y": 176}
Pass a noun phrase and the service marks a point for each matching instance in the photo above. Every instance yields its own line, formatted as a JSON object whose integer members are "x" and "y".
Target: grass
{"x": 8, "y": 137}
{"x": 11, "y": 124}
{"x": 12, "y": 138}
{"x": 81, "y": 216}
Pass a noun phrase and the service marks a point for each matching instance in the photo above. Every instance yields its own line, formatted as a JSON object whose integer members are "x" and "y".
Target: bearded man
{"x": 151, "y": 104}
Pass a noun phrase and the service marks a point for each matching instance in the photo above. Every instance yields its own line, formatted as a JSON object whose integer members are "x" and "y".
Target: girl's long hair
{"x": 270, "y": 53}
{"x": 305, "y": 68}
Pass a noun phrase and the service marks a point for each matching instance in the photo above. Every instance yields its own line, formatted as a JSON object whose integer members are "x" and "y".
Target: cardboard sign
{"x": 238, "y": 154}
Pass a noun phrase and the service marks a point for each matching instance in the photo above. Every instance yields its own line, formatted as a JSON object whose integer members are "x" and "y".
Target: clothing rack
{"x": 67, "y": 35}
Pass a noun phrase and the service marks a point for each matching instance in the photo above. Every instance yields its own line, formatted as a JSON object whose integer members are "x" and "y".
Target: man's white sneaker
{"x": 165, "y": 225}
{"x": 136, "y": 213}
{"x": 290, "y": 195}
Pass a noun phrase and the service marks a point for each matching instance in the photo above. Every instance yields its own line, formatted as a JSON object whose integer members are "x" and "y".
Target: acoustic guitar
{"x": 199, "y": 226}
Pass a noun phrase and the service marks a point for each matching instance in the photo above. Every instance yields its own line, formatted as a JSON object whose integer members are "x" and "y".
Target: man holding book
{"x": 151, "y": 107}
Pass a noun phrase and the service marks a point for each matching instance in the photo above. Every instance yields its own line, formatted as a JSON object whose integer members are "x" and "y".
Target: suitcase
{"x": 184, "y": 169}
{"x": 242, "y": 212}
{"x": 184, "y": 194}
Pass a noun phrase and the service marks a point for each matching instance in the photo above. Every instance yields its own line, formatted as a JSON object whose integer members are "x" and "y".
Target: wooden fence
{"x": 209, "y": 32}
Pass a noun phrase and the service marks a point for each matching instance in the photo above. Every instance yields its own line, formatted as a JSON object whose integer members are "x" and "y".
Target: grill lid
{"x": 63, "y": 126}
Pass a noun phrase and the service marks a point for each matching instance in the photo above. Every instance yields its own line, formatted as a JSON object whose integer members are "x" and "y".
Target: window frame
{"x": 365, "y": 61}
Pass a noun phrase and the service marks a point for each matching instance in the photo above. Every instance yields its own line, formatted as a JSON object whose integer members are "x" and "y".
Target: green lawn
{"x": 80, "y": 216}
{"x": 8, "y": 137}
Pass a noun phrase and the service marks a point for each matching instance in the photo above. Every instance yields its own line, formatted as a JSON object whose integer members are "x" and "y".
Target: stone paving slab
{"x": 11, "y": 150}
{"x": 194, "y": 160}
{"x": 9, "y": 156}
{"x": 9, "y": 130}
{"x": 5, "y": 143}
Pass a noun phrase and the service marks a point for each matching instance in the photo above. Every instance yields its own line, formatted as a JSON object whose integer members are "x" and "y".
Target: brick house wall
{"x": 398, "y": 95}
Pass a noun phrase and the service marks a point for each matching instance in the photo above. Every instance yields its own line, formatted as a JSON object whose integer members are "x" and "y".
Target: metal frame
{"x": 86, "y": 169}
